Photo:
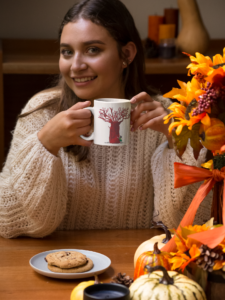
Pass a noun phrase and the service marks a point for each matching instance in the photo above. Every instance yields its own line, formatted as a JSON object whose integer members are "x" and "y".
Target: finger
{"x": 146, "y": 119}
{"x": 79, "y": 123}
{"x": 83, "y": 142}
{"x": 154, "y": 124}
{"x": 143, "y": 107}
{"x": 80, "y": 105}
{"x": 78, "y": 114}
{"x": 143, "y": 96}
{"x": 83, "y": 130}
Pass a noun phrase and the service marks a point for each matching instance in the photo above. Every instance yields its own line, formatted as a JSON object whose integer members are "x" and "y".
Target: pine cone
{"x": 208, "y": 256}
{"x": 122, "y": 279}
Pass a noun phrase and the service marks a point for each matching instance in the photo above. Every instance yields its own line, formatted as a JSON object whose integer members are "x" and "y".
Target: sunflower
{"x": 187, "y": 92}
{"x": 199, "y": 65}
{"x": 178, "y": 113}
{"x": 206, "y": 69}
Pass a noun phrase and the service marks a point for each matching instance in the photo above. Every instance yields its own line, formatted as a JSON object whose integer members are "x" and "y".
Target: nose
{"x": 78, "y": 63}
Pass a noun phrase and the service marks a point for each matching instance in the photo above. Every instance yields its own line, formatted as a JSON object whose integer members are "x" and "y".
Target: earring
{"x": 124, "y": 64}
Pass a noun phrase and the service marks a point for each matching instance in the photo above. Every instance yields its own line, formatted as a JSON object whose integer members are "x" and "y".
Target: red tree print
{"x": 115, "y": 118}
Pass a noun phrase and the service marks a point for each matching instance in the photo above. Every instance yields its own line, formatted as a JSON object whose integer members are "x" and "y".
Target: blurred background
{"x": 40, "y": 19}
{"x": 27, "y": 67}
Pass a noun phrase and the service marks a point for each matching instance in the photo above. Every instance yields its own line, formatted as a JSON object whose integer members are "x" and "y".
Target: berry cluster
{"x": 207, "y": 99}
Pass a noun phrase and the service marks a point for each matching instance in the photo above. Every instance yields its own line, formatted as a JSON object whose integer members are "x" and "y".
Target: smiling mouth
{"x": 84, "y": 79}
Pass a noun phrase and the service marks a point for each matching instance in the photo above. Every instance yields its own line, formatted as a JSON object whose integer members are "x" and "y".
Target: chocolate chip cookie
{"x": 66, "y": 259}
{"x": 88, "y": 266}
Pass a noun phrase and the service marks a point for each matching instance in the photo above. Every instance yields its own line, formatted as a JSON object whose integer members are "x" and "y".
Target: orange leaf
{"x": 194, "y": 251}
{"x": 186, "y": 263}
{"x": 211, "y": 238}
{"x": 180, "y": 239}
{"x": 218, "y": 265}
{"x": 177, "y": 262}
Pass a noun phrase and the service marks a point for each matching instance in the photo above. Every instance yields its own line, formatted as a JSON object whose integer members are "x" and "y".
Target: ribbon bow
{"x": 185, "y": 175}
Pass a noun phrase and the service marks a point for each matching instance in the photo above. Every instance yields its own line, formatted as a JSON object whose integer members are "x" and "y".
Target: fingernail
{"x": 132, "y": 129}
{"x": 140, "y": 128}
{"x": 131, "y": 122}
{"x": 133, "y": 100}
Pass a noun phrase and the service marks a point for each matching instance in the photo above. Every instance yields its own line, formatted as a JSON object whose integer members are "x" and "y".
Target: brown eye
{"x": 66, "y": 52}
{"x": 93, "y": 50}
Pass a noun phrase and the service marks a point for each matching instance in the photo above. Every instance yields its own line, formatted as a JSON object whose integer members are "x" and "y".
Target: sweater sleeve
{"x": 170, "y": 204}
{"x": 33, "y": 183}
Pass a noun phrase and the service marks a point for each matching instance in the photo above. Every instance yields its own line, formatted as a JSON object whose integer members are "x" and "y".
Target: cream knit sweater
{"x": 120, "y": 187}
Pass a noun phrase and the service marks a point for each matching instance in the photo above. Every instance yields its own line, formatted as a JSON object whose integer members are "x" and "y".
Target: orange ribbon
{"x": 185, "y": 175}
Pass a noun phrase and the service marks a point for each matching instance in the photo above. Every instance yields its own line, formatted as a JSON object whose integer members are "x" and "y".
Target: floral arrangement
{"x": 190, "y": 250}
{"x": 198, "y": 116}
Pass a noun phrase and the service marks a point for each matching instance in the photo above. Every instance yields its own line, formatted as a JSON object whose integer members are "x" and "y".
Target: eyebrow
{"x": 85, "y": 43}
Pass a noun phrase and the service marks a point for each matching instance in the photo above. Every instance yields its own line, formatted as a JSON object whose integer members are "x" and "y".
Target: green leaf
{"x": 185, "y": 232}
{"x": 195, "y": 140}
{"x": 217, "y": 225}
{"x": 180, "y": 141}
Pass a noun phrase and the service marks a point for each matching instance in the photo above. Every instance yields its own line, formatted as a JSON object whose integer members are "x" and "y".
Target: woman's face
{"x": 90, "y": 62}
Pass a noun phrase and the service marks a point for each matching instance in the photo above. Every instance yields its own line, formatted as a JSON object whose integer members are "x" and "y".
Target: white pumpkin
{"x": 158, "y": 285}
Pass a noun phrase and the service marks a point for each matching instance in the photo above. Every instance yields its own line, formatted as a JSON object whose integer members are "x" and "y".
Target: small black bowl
{"x": 106, "y": 291}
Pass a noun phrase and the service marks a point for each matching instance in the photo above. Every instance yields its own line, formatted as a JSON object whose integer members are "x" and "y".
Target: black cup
{"x": 106, "y": 291}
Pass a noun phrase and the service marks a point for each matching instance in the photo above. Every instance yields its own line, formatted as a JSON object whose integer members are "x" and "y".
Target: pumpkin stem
{"x": 166, "y": 279}
{"x": 156, "y": 249}
{"x": 96, "y": 279}
{"x": 160, "y": 224}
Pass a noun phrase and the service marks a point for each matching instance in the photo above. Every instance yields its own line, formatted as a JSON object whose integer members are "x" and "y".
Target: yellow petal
{"x": 173, "y": 125}
{"x": 183, "y": 85}
{"x": 179, "y": 129}
{"x": 208, "y": 164}
{"x": 200, "y": 58}
{"x": 173, "y": 92}
{"x": 181, "y": 98}
{"x": 218, "y": 59}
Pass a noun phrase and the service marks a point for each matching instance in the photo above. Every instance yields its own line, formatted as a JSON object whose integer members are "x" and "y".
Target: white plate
{"x": 101, "y": 263}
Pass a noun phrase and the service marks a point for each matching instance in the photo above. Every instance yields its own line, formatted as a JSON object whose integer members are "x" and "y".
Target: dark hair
{"x": 115, "y": 17}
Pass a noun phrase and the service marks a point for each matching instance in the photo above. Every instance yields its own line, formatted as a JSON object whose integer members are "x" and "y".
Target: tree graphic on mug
{"x": 115, "y": 118}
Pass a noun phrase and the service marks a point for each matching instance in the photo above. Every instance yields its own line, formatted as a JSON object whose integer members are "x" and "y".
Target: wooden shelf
{"x": 166, "y": 66}
{"x": 30, "y": 56}
{"x": 41, "y": 57}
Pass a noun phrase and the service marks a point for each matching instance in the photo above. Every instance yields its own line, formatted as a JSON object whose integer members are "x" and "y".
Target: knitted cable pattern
{"x": 118, "y": 187}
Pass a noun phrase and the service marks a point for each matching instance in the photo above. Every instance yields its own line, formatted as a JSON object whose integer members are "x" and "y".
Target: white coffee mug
{"x": 111, "y": 122}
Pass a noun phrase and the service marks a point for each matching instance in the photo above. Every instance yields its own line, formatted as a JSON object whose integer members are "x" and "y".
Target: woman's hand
{"x": 149, "y": 114}
{"x": 65, "y": 128}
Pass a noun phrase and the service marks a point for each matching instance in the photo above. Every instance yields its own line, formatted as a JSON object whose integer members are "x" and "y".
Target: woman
{"x": 53, "y": 179}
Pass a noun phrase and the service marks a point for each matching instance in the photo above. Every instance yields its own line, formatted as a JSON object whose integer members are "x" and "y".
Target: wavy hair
{"x": 117, "y": 20}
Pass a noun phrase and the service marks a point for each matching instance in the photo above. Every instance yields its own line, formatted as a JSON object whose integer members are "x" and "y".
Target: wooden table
{"x": 18, "y": 281}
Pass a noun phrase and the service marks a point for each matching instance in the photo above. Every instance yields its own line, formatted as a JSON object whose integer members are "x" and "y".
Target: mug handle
{"x": 91, "y": 137}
